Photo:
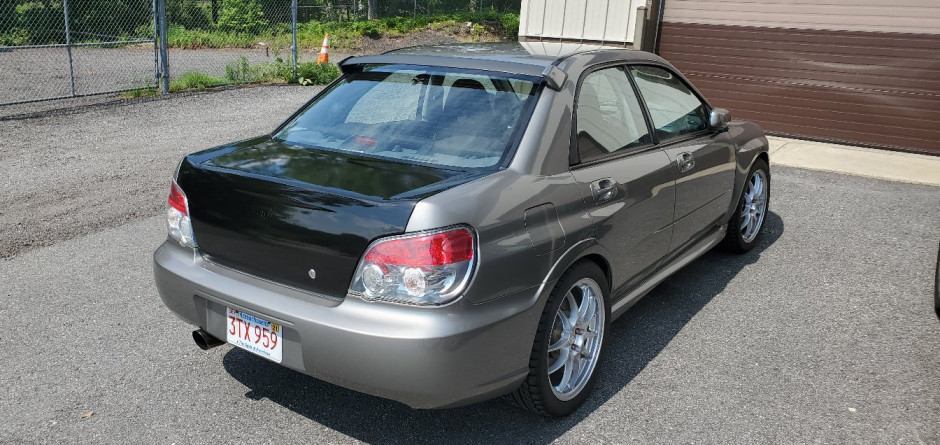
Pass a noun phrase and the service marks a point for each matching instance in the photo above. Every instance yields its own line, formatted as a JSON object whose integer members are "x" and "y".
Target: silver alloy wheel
{"x": 575, "y": 339}
{"x": 755, "y": 205}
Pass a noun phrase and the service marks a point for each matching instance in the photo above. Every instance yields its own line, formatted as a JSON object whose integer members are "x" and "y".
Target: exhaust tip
{"x": 205, "y": 340}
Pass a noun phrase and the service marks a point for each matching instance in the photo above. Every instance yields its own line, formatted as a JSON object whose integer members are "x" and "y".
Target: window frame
{"x": 574, "y": 156}
{"x": 512, "y": 145}
{"x": 678, "y": 138}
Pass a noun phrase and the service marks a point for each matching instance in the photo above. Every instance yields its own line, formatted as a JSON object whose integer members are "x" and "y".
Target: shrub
{"x": 241, "y": 16}
{"x": 14, "y": 37}
{"x": 312, "y": 73}
{"x": 510, "y": 24}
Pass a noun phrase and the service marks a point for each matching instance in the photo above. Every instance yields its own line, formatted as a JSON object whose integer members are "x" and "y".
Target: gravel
{"x": 80, "y": 170}
{"x": 824, "y": 333}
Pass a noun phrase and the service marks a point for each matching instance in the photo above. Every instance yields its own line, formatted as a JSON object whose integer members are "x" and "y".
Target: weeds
{"x": 195, "y": 80}
{"x": 243, "y": 72}
{"x": 141, "y": 92}
{"x": 312, "y": 73}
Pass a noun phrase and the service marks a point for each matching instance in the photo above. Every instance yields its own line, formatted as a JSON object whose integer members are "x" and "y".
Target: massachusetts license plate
{"x": 254, "y": 334}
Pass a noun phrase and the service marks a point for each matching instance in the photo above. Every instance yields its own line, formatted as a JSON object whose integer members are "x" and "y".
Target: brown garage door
{"x": 871, "y": 88}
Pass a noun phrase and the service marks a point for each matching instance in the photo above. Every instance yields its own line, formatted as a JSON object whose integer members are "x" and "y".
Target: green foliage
{"x": 38, "y": 22}
{"x": 180, "y": 37}
{"x": 343, "y": 35}
{"x": 189, "y": 13}
{"x": 14, "y": 37}
{"x": 34, "y": 22}
{"x": 141, "y": 92}
{"x": 241, "y": 16}
{"x": 195, "y": 80}
{"x": 312, "y": 73}
{"x": 510, "y": 24}
{"x": 243, "y": 72}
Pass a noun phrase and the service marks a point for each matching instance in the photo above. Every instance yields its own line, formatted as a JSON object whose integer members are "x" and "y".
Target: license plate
{"x": 254, "y": 335}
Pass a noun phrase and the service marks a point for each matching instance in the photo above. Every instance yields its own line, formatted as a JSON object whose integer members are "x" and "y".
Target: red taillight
{"x": 177, "y": 199}
{"x": 438, "y": 249}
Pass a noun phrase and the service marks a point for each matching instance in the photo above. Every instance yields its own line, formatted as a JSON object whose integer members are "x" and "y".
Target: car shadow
{"x": 634, "y": 341}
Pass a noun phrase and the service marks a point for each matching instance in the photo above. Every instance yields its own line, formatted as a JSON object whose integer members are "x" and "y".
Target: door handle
{"x": 685, "y": 161}
{"x": 604, "y": 189}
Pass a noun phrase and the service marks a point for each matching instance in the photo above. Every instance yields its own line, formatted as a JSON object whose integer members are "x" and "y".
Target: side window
{"x": 675, "y": 110}
{"x": 609, "y": 115}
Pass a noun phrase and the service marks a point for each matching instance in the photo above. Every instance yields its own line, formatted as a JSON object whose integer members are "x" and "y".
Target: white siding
{"x": 904, "y": 16}
{"x": 595, "y": 20}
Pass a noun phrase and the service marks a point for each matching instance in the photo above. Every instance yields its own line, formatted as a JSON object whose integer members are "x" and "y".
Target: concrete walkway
{"x": 873, "y": 163}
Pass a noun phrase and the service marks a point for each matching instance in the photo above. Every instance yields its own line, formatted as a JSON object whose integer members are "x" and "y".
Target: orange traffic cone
{"x": 324, "y": 56}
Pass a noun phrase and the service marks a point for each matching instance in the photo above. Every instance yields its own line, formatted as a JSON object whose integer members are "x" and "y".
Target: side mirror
{"x": 718, "y": 118}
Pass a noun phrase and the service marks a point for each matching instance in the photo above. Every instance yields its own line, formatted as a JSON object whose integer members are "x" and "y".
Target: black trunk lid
{"x": 287, "y": 213}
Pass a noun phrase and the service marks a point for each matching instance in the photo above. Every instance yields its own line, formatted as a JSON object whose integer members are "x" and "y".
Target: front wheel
{"x": 568, "y": 344}
{"x": 747, "y": 221}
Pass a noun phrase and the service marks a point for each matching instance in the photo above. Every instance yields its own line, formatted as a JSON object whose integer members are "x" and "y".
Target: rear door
{"x": 703, "y": 159}
{"x": 627, "y": 180}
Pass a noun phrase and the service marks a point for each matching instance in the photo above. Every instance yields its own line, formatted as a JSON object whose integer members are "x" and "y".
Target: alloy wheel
{"x": 575, "y": 339}
{"x": 755, "y": 206}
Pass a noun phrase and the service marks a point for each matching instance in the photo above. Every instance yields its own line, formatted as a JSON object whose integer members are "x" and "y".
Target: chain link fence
{"x": 67, "y": 48}
{"x": 64, "y": 48}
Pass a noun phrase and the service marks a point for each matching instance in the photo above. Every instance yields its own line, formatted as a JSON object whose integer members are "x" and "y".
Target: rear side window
{"x": 609, "y": 116}
{"x": 675, "y": 110}
{"x": 443, "y": 117}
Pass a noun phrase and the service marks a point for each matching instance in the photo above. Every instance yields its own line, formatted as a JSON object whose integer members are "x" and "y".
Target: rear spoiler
{"x": 552, "y": 76}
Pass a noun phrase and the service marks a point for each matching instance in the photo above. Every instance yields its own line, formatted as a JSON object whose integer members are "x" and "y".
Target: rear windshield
{"x": 444, "y": 117}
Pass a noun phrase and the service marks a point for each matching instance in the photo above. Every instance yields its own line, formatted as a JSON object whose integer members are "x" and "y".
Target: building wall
{"x": 901, "y": 16}
{"x": 849, "y": 71}
{"x": 579, "y": 20}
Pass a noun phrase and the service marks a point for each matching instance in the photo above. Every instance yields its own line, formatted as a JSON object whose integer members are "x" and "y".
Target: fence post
{"x": 156, "y": 45}
{"x": 164, "y": 53}
{"x": 68, "y": 44}
{"x": 293, "y": 28}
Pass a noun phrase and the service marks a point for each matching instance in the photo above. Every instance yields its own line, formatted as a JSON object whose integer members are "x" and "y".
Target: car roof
{"x": 526, "y": 58}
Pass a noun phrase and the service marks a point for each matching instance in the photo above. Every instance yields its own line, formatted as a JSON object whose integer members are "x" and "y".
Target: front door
{"x": 703, "y": 159}
{"x": 627, "y": 180}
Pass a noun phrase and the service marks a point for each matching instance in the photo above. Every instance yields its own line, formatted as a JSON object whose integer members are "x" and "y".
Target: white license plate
{"x": 254, "y": 335}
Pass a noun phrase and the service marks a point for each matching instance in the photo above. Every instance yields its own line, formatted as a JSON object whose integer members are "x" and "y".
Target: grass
{"x": 344, "y": 35}
{"x": 141, "y": 92}
{"x": 312, "y": 73}
{"x": 242, "y": 72}
{"x": 195, "y": 80}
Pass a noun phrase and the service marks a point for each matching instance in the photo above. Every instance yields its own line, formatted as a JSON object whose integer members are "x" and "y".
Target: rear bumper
{"x": 423, "y": 357}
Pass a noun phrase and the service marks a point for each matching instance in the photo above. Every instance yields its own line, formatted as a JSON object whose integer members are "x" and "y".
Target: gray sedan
{"x": 448, "y": 224}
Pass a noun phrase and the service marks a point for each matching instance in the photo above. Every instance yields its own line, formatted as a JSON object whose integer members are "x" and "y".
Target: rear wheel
{"x": 747, "y": 221}
{"x": 568, "y": 344}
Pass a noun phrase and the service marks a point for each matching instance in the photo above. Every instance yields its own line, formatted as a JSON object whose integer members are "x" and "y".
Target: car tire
{"x": 746, "y": 224}
{"x": 560, "y": 392}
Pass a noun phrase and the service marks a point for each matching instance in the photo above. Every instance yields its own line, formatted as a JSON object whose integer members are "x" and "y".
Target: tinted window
{"x": 674, "y": 108}
{"x": 443, "y": 117}
{"x": 609, "y": 115}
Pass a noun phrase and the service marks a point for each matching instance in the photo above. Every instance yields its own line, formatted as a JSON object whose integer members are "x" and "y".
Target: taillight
{"x": 177, "y": 217}
{"x": 427, "y": 269}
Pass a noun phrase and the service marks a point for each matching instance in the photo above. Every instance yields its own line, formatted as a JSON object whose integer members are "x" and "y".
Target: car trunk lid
{"x": 299, "y": 216}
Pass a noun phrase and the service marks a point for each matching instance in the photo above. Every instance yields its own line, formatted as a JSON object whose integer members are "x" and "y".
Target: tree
{"x": 373, "y": 9}
{"x": 242, "y": 16}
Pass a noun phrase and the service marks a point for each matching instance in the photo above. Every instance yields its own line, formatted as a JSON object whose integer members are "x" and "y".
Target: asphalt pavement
{"x": 825, "y": 333}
